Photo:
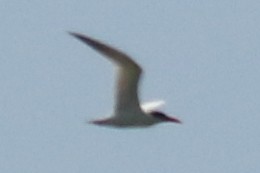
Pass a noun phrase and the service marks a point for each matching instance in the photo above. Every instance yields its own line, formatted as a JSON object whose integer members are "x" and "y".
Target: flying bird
{"x": 127, "y": 109}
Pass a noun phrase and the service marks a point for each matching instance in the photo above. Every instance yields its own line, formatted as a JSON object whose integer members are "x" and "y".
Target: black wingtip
{"x": 82, "y": 38}
{"x": 90, "y": 41}
{"x": 70, "y": 33}
{"x": 75, "y": 34}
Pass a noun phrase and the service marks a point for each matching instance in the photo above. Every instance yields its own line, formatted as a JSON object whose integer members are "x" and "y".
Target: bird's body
{"x": 127, "y": 110}
{"x": 128, "y": 119}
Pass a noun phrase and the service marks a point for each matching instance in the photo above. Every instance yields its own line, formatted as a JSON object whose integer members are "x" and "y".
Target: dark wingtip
{"x": 90, "y": 41}
{"x": 75, "y": 34}
{"x": 178, "y": 121}
{"x": 71, "y": 33}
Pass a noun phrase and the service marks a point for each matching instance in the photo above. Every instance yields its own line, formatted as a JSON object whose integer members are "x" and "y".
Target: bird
{"x": 128, "y": 112}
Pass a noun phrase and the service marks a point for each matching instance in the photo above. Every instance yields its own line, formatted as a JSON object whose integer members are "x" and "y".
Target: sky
{"x": 201, "y": 57}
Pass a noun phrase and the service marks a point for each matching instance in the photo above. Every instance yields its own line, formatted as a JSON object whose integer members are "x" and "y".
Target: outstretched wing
{"x": 129, "y": 73}
{"x": 152, "y": 106}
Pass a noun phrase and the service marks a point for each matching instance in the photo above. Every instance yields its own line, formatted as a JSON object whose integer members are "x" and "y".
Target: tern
{"x": 127, "y": 109}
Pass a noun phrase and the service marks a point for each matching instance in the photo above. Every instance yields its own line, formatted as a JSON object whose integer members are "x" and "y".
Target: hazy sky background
{"x": 202, "y": 57}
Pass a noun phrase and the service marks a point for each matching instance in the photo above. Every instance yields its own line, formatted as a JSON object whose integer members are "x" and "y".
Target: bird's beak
{"x": 174, "y": 120}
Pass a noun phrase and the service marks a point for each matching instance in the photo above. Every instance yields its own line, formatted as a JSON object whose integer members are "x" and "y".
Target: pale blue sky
{"x": 202, "y": 57}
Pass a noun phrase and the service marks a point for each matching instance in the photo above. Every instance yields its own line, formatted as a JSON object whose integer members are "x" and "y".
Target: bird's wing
{"x": 151, "y": 106}
{"x": 129, "y": 73}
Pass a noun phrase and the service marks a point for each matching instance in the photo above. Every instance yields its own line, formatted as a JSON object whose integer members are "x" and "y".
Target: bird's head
{"x": 164, "y": 118}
